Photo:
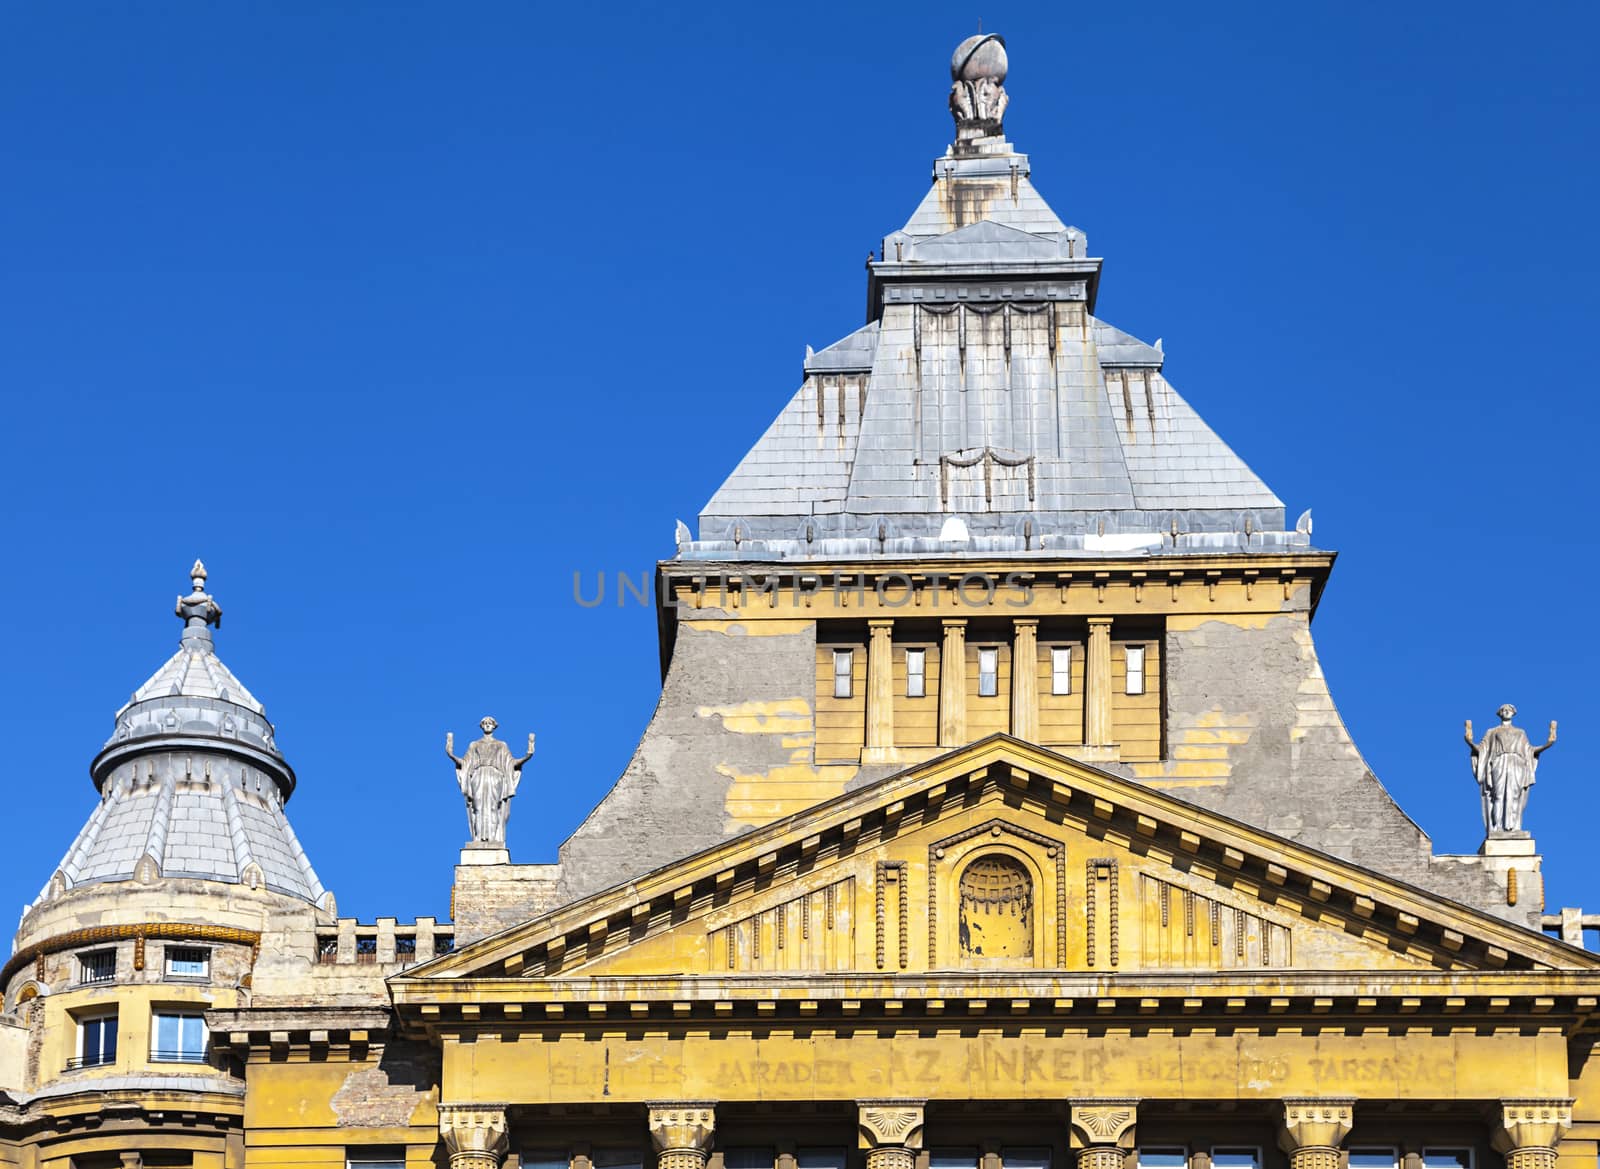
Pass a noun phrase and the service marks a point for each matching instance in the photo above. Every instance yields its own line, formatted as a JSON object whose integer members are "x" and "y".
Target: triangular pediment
{"x": 1002, "y": 861}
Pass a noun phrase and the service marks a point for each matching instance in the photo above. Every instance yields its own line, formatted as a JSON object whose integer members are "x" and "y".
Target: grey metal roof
{"x": 984, "y": 389}
{"x": 191, "y": 779}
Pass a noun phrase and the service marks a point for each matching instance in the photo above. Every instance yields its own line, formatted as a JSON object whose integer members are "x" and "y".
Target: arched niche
{"x": 996, "y": 908}
{"x": 1035, "y": 940}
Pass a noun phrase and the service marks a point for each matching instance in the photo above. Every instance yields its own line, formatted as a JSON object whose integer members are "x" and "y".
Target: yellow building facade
{"x": 995, "y": 815}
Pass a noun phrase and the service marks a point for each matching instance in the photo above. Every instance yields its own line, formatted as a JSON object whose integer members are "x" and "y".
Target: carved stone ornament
{"x": 475, "y": 1135}
{"x": 1504, "y": 765}
{"x": 1529, "y": 1131}
{"x": 978, "y": 97}
{"x": 1106, "y": 1122}
{"x": 198, "y": 609}
{"x": 488, "y": 775}
{"x": 682, "y": 1133}
{"x": 1313, "y": 1129}
{"x": 891, "y": 1132}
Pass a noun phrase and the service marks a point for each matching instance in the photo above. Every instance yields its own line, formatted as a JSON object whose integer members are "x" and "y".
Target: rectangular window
{"x": 1447, "y": 1158}
{"x": 988, "y": 672}
{"x": 819, "y": 1158}
{"x": 749, "y": 1158}
{"x": 545, "y": 1159}
{"x": 97, "y": 1040}
{"x": 1163, "y": 1157}
{"x": 623, "y": 1158}
{"x": 178, "y": 1037}
{"x": 1374, "y": 1158}
{"x": 375, "y": 1157}
{"x": 953, "y": 1159}
{"x": 916, "y": 673}
{"x": 1135, "y": 656}
{"x": 843, "y": 668}
{"x": 188, "y": 962}
{"x": 1236, "y": 1157}
{"x": 1025, "y": 1158}
{"x": 1061, "y": 670}
{"x": 97, "y": 966}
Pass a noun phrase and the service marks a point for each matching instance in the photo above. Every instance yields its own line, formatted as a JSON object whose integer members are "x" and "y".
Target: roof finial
{"x": 198, "y": 609}
{"x": 977, "y": 98}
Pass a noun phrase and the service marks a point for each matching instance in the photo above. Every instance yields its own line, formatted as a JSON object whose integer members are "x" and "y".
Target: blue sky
{"x": 401, "y": 314}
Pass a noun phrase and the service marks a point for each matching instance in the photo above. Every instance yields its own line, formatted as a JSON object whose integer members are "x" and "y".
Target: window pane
{"x": 1373, "y": 1159}
{"x": 1061, "y": 670}
{"x": 988, "y": 669}
{"x": 819, "y": 1158}
{"x": 749, "y": 1158}
{"x": 1135, "y": 658}
{"x": 188, "y": 961}
{"x": 99, "y": 1040}
{"x": 100, "y": 966}
{"x": 842, "y": 664}
{"x": 1025, "y": 1158}
{"x": 953, "y": 1159}
{"x": 545, "y": 1159}
{"x": 617, "y": 1159}
{"x": 1447, "y": 1158}
{"x": 916, "y": 664}
{"x": 1159, "y": 1158}
{"x": 377, "y": 1157}
{"x": 1235, "y": 1158}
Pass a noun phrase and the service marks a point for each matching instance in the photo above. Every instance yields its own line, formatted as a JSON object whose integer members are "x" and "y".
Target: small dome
{"x": 980, "y": 56}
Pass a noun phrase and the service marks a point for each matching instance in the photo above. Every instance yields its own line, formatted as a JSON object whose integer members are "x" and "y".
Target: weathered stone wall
{"x": 489, "y": 898}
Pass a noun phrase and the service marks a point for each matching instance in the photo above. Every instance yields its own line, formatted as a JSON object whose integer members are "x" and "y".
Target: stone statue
{"x": 488, "y": 777}
{"x": 978, "y": 98}
{"x": 1503, "y": 765}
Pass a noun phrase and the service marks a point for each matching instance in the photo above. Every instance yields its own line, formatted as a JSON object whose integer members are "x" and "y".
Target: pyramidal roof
{"x": 192, "y": 783}
{"x": 984, "y": 390}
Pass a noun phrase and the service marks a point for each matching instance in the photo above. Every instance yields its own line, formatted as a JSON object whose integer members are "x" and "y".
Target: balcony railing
{"x": 98, "y": 1059}
{"x": 162, "y": 1055}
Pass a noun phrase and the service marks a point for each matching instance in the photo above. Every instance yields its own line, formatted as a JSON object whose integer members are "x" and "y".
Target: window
{"x": 1025, "y": 1158}
{"x": 97, "y": 1040}
{"x": 97, "y": 966}
{"x": 545, "y": 1159}
{"x": 1447, "y": 1158}
{"x": 916, "y": 673}
{"x": 988, "y": 672}
{"x": 1061, "y": 670}
{"x": 1163, "y": 1157}
{"x": 617, "y": 1159}
{"x": 815, "y": 1158}
{"x": 953, "y": 1159}
{"x": 377, "y": 1157}
{"x": 178, "y": 1037}
{"x": 1374, "y": 1158}
{"x": 188, "y": 962}
{"x": 748, "y": 1158}
{"x": 843, "y": 667}
{"x": 1235, "y": 1157}
{"x": 1135, "y": 656}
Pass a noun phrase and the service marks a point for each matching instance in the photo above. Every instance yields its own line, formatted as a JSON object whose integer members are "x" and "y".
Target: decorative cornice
{"x": 1315, "y": 1122}
{"x": 890, "y": 1123}
{"x": 1106, "y": 1122}
{"x": 165, "y": 931}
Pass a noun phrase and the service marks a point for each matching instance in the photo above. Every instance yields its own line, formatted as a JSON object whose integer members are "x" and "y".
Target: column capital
{"x": 886, "y": 623}
{"x": 1315, "y": 1122}
{"x": 474, "y": 1133}
{"x": 1025, "y": 622}
{"x": 955, "y": 622}
{"x": 682, "y": 1127}
{"x": 1105, "y": 1121}
{"x": 1532, "y": 1123}
{"x": 890, "y": 1123}
{"x": 1099, "y": 622}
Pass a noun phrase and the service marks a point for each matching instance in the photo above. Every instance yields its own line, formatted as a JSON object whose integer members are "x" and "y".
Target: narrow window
{"x": 916, "y": 673}
{"x": 379, "y": 1157}
{"x": 1135, "y": 655}
{"x": 1061, "y": 670}
{"x": 188, "y": 962}
{"x": 988, "y": 672}
{"x": 178, "y": 1037}
{"x": 843, "y": 665}
{"x": 97, "y": 966}
{"x": 97, "y": 1040}
{"x": 1236, "y": 1157}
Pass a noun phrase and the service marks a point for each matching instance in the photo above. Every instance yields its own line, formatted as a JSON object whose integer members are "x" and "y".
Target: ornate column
{"x": 891, "y": 1130}
{"x": 1097, "y": 685}
{"x": 682, "y": 1134}
{"x": 1313, "y": 1130}
{"x": 1106, "y": 1128}
{"x": 1025, "y": 679}
{"x": 1529, "y": 1131}
{"x": 953, "y": 684}
{"x": 475, "y": 1135}
{"x": 880, "y": 691}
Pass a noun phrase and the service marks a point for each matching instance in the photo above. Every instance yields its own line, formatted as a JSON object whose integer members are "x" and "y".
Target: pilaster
{"x": 1313, "y": 1129}
{"x": 1097, "y": 684}
{"x": 682, "y": 1133}
{"x": 1025, "y": 679}
{"x": 475, "y": 1135}
{"x": 1528, "y": 1131}
{"x": 891, "y": 1130}
{"x": 953, "y": 684}
{"x": 1106, "y": 1128}
{"x": 880, "y": 692}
